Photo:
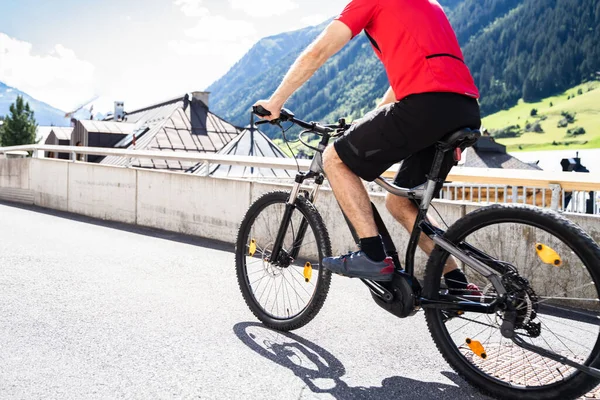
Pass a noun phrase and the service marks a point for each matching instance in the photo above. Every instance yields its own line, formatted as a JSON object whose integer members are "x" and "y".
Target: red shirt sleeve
{"x": 358, "y": 14}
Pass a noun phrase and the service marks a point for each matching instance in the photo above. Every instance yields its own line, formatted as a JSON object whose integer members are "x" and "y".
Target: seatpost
{"x": 432, "y": 180}
{"x": 434, "y": 176}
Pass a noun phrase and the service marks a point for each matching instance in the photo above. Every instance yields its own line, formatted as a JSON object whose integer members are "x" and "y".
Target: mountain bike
{"x": 531, "y": 331}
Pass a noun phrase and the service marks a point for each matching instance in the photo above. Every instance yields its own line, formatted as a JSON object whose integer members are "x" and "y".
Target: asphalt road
{"x": 99, "y": 310}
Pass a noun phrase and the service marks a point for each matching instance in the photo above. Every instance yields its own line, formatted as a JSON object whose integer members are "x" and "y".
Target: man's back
{"x": 416, "y": 44}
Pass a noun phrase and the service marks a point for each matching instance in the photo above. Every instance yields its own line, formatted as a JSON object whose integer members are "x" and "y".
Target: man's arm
{"x": 388, "y": 97}
{"x": 333, "y": 38}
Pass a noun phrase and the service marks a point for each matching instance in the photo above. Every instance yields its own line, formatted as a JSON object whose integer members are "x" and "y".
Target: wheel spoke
{"x": 557, "y": 308}
{"x": 280, "y": 288}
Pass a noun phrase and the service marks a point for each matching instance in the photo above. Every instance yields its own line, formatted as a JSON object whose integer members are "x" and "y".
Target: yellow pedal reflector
{"x": 477, "y": 348}
{"x": 252, "y": 249}
{"x": 548, "y": 255}
{"x": 307, "y": 272}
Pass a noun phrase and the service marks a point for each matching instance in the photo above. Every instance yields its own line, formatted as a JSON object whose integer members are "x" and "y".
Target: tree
{"x": 19, "y": 126}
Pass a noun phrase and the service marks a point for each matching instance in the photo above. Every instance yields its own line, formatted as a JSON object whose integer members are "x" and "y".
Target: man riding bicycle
{"x": 431, "y": 94}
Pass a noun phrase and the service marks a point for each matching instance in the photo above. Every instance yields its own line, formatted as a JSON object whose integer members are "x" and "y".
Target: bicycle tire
{"x": 315, "y": 221}
{"x": 577, "y": 384}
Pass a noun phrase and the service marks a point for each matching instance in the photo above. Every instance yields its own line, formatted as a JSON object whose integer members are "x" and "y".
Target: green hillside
{"x": 585, "y": 107}
{"x": 538, "y": 49}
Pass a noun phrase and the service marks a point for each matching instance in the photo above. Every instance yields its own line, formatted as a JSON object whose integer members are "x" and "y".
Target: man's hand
{"x": 271, "y": 106}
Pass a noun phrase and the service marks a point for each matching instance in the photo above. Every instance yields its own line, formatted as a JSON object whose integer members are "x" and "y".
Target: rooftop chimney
{"x": 119, "y": 114}
{"x": 202, "y": 96}
{"x": 199, "y": 113}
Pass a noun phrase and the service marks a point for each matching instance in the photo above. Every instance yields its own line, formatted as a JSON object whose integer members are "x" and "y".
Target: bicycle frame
{"x": 483, "y": 263}
{"x": 422, "y": 195}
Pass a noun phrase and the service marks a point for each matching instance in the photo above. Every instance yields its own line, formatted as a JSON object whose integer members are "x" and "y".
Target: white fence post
{"x": 556, "y": 189}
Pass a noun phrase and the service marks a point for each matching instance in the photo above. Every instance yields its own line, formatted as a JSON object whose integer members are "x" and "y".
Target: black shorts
{"x": 406, "y": 130}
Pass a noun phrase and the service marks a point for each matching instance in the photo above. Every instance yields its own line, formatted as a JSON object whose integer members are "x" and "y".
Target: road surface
{"x": 99, "y": 310}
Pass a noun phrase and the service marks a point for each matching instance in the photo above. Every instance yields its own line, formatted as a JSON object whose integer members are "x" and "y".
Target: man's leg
{"x": 350, "y": 194}
{"x": 371, "y": 261}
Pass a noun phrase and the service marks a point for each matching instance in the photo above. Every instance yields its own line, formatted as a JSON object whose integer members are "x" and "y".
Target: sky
{"x": 66, "y": 52}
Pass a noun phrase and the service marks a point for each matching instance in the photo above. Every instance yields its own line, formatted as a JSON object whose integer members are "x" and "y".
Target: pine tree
{"x": 19, "y": 126}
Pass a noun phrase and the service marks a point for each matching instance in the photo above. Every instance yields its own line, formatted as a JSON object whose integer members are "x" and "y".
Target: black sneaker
{"x": 359, "y": 265}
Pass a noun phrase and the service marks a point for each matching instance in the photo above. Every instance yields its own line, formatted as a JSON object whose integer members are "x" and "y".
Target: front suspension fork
{"x": 287, "y": 217}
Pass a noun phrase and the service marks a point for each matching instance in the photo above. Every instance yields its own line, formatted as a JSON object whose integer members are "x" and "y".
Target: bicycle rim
{"x": 563, "y": 302}
{"x": 282, "y": 293}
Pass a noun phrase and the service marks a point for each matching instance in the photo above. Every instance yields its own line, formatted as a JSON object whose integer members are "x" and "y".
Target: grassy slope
{"x": 586, "y": 107}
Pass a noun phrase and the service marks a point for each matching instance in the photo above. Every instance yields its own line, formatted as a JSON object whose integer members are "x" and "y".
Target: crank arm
{"x": 379, "y": 290}
{"x": 548, "y": 354}
{"x": 465, "y": 306}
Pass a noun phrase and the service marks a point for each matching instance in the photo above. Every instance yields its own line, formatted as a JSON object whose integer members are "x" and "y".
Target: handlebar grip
{"x": 261, "y": 111}
{"x": 262, "y": 122}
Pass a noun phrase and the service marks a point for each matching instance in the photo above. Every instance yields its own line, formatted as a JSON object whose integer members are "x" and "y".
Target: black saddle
{"x": 460, "y": 139}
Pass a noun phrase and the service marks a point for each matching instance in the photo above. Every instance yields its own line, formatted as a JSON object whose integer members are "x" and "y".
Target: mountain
{"x": 537, "y": 49}
{"x": 515, "y": 49}
{"x": 44, "y": 113}
{"x": 260, "y": 59}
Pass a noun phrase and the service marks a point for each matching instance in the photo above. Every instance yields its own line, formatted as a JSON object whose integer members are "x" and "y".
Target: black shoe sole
{"x": 376, "y": 278}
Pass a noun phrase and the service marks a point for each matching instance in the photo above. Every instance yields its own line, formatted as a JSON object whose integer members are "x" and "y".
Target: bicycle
{"x": 532, "y": 331}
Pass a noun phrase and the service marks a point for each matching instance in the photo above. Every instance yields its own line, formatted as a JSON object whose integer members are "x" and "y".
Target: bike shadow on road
{"x": 135, "y": 229}
{"x": 322, "y": 372}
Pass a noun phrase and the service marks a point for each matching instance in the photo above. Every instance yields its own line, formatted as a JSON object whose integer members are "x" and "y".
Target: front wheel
{"x": 551, "y": 266}
{"x": 288, "y": 293}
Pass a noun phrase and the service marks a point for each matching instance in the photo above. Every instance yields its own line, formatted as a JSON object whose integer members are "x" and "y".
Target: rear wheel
{"x": 287, "y": 294}
{"x": 551, "y": 265}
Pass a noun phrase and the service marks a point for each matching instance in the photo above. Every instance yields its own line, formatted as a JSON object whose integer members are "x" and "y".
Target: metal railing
{"x": 555, "y": 197}
{"x": 567, "y": 191}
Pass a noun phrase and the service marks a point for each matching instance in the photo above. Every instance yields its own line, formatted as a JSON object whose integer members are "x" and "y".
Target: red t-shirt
{"x": 416, "y": 44}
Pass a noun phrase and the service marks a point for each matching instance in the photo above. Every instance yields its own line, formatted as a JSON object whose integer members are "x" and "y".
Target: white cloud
{"x": 264, "y": 8}
{"x": 220, "y": 29}
{"x": 312, "y": 20}
{"x": 58, "y": 78}
{"x": 212, "y": 44}
{"x": 192, "y": 8}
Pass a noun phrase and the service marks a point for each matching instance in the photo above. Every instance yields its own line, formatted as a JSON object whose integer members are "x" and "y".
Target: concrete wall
{"x": 14, "y": 173}
{"x": 102, "y": 192}
{"x": 190, "y": 204}
{"x": 14, "y": 180}
{"x": 50, "y": 183}
{"x": 211, "y": 207}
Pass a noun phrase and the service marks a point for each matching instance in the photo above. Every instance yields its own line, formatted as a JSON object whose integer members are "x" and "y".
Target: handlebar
{"x": 288, "y": 116}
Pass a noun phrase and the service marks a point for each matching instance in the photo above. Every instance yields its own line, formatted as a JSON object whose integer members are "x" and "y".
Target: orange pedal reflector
{"x": 548, "y": 255}
{"x": 307, "y": 272}
{"x": 252, "y": 249}
{"x": 477, "y": 348}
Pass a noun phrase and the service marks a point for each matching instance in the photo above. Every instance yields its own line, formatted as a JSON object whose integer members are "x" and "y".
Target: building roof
{"x": 62, "y": 133}
{"x": 42, "y": 132}
{"x": 486, "y": 153}
{"x": 168, "y": 126}
{"x": 251, "y": 142}
{"x": 108, "y": 127}
{"x": 146, "y": 112}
